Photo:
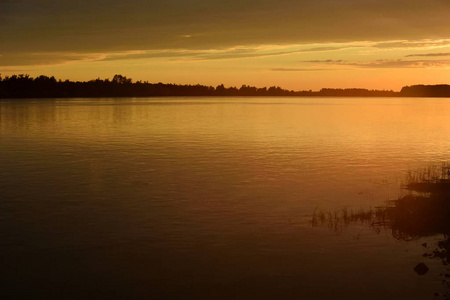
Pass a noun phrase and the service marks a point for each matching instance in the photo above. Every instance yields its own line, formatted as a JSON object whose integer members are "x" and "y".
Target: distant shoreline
{"x": 24, "y": 86}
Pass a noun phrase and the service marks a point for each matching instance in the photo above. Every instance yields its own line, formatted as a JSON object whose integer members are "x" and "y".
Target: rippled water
{"x": 209, "y": 197}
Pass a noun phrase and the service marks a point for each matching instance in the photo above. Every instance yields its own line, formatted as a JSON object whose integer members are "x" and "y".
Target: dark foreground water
{"x": 210, "y": 198}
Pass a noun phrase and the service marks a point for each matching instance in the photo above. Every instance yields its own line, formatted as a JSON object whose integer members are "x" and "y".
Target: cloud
{"x": 403, "y": 64}
{"x": 428, "y": 55}
{"x": 385, "y": 63}
{"x": 324, "y": 49}
{"x": 47, "y": 58}
{"x": 412, "y": 44}
{"x": 298, "y": 69}
{"x": 324, "y": 61}
{"x": 223, "y": 54}
{"x": 229, "y": 53}
{"x": 113, "y": 25}
{"x": 243, "y": 52}
{"x": 54, "y": 58}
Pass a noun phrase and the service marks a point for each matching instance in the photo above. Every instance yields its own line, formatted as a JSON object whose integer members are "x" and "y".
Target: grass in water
{"x": 423, "y": 211}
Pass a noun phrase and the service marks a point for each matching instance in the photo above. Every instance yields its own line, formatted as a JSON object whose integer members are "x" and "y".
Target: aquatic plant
{"x": 339, "y": 219}
{"x": 433, "y": 179}
{"x": 424, "y": 211}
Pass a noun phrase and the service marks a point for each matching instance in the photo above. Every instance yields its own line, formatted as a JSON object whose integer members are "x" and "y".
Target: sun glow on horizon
{"x": 292, "y": 66}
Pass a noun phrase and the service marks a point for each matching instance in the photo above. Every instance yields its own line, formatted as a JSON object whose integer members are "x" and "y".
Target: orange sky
{"x": 298, "y": 45}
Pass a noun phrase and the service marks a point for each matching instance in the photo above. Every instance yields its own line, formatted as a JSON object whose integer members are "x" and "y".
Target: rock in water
{"x": 421, "y": 269}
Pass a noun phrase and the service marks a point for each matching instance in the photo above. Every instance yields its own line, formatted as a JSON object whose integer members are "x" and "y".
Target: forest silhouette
{"x": 25, "y": 86}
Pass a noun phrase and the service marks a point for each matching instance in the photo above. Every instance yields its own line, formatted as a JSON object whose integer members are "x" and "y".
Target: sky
{"x": 295, "y": 44}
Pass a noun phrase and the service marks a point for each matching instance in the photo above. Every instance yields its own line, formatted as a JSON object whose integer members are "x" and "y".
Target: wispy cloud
{"x": 402, "y": 64}
{"x": 47, "y": 58}
{"x": 385, "y": 63}
{"x": 223, "y": 54}
{"x": 327, "y": 61}
{"x": 428, "y": 54}
{"x": 349, "y": 57}
{"x": 299, "y": 69}
{"x": 412, "y": 44}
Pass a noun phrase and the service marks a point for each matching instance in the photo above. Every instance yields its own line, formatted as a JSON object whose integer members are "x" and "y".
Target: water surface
{"x": 210, "y": 197}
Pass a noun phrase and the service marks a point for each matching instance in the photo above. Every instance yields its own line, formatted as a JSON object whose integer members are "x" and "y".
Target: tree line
{"x": 438, "y": 90}
{"x": 25, "y": 86}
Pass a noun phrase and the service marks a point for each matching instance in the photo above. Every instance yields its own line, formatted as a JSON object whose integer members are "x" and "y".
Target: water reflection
{"x": 191, "y": 198}
{"x": 423, "y": 211}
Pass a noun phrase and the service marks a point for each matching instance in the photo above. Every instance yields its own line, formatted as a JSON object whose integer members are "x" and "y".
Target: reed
{"x": 424, "y": 211}
{"x": 340, "y": 218}
{"x": 435, "y": 178}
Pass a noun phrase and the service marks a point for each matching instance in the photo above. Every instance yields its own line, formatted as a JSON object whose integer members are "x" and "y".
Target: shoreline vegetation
{"x": 25, "y": 86}
{"x": 424, "y": 211}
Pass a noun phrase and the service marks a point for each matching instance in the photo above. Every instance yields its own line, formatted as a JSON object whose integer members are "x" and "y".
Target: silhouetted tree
{"x": 24, "y": 86}
{"x": 119, "y": 79}
{"x": 440, "y": 90}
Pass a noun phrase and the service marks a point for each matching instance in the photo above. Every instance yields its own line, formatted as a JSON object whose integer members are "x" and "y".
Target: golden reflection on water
{"x": 211, "y": 192}
{"x": 276, "y": 139}
{"x": 370, "y": 122}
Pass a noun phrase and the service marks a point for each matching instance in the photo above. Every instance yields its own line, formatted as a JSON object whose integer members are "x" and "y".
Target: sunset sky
{"x": 296, "y": 44}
